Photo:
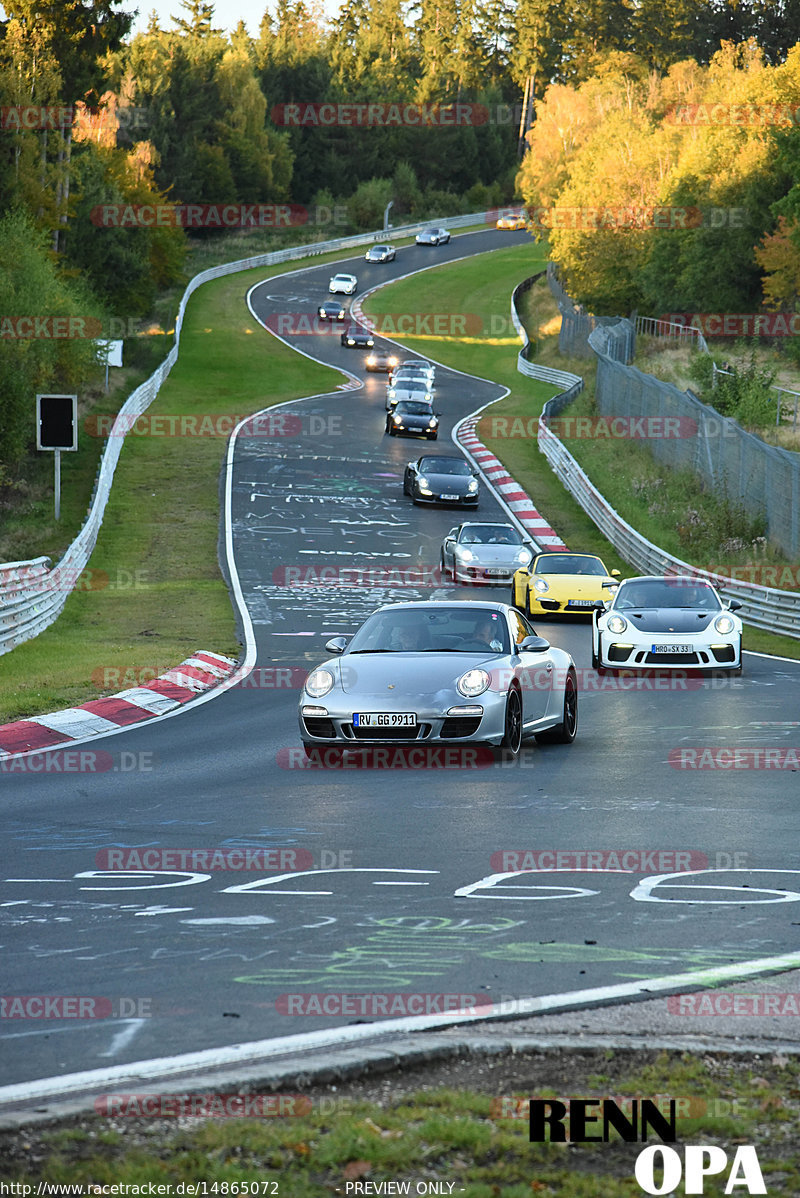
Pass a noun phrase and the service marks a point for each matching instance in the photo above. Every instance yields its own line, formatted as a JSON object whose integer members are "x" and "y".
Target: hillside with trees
{"x": 191, "y": 115}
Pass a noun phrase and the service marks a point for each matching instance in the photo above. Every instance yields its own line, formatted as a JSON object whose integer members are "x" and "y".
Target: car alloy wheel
{"x": 564, "y": 733}
{"x": 512, "y": 736}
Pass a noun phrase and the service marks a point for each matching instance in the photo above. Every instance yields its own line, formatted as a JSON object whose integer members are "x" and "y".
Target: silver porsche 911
{"x": 479, "y": 551}
{"x": 440, "y": 672}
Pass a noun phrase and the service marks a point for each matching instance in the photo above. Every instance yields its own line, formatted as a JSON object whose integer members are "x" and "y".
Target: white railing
{"x": 33, "y": 599}
{"x": 764, "y": 607}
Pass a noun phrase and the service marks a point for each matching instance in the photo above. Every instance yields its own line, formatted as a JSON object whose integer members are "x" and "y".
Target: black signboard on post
{"x": 57, "y": 430}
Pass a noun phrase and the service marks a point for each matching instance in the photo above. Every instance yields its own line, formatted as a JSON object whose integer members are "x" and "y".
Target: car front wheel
{"x": 512, "y": 735}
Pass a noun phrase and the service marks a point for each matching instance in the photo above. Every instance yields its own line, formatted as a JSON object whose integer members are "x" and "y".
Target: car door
{"x": 448, "y": 549}
{"x": 535, "y": 672}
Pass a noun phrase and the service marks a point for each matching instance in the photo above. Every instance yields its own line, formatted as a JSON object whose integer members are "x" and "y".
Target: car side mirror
{"x": 336, "y": 644}
{"x": 533, "y": 644}
{"x": 734, "y": 605}
{"x": 601, "y": 604}
{"x": 615, "y": 574}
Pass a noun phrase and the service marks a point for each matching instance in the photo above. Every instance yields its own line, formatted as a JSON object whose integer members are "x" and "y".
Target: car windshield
{"x": 569, "y": 563}
{"x": 490, "y": 534}
{"x": 444, "y": 466}
{"x": 414, "y": 407}
{"x": 466, "y": 629}
{"x": 668, "y": 592}
{"x": 380, "y": 249}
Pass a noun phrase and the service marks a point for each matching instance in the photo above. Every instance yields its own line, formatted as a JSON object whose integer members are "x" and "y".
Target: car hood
{"x": 415, "y": 418}
{"x": 458, "y": 484}
{"x": 487, "y": 554}
{"x": 409, "y": 676}
{"x": 582, "y": 586}
{"x": 669, "y": 619}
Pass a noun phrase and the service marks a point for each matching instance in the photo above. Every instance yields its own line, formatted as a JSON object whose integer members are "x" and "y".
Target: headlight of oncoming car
{"x": 724, "y": 624}
{"x": 473, "y": 486}
{"x": 318, "y": 683}
{"x": 466, "y": 555}
{"x": 524, "y": 557}
{"x": 616, "y": 624}
{"x": 473, "y": 683}
{"x": 542, "y": 585}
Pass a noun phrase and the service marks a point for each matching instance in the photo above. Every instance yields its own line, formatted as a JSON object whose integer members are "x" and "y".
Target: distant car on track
{"x": 380, "y": 361}
{"x": 410, "y": 390}
{"x": 484, "y": 552}
{"x": 440, "y": 479}
{"x": 380, "y": 253}
{"x": 332, "y": 310}
{"x": 343, "y": 285}
{"x": 355, "y": 336}
{"x": 413, "y": 418}
{"x": 512, "y": 220}
{"x": 433, "y": 237}
{"x": 414, "y": 368}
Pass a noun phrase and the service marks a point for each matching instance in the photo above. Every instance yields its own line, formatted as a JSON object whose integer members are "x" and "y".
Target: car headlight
{"x": 432, "y": 422}
{"x": 465, "y": 555}
{"x": 423, "y": 482}
{"x": 524, "y": 557}
{"x": 542, "y": 585}
{"x": 612, "y": 590}
{"x": 473, "y": 486}
{"x": 473, "y": 683}
{"x": 397, "y": 419}
{"x": 318, "y": 683}
{"x": 616, "y": 624}
{"x": 724, "y": 624}
{"x": 391, "y": 393}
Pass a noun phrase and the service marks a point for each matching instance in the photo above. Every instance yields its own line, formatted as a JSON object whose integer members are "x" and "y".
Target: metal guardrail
{"x": 763, "y": 607}
{"x": 34, "y": 599}
{"x": 670, "y": 330}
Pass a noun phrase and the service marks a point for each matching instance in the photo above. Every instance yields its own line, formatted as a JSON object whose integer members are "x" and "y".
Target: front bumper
{"x": 634, "y": 650}
{"x": 461, "y": 501}
{"x": 491, "y": 575}
{"x": 434, "y": 725}
{"x": 543, "y": 605}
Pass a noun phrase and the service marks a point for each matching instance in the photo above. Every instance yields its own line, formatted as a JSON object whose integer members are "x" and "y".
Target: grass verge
{"x": 157, "y": 547}
{"x": 469, "y": 1139}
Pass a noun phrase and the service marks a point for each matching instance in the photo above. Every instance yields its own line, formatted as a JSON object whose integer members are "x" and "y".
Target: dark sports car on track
{"x": 667, "y": 622}
{"x": 426, "y": 673}
{"x": 439, "y": 479}
{"x": 413, "y": 418}
{"x": 332, "y": 310}
{"x": 356, "y": 336}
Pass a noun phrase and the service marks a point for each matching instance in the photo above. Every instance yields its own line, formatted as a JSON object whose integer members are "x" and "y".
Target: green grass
{"x": 158, "y": 541}
{"x": 475, "y": 1138}
{"x": 612, "y": 465}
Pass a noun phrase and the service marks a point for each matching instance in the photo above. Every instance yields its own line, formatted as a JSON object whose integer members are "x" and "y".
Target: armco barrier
{"x": 32, "y": 602}
{"x": 762, "y": 607}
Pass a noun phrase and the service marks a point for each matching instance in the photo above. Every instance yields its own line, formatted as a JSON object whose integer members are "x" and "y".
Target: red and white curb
{"x": 517, "y": 500}
{"x": 197, "y": 673}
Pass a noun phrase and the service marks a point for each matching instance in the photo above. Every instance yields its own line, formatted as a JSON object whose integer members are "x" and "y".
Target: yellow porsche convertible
{"x": 563, "y": 584}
